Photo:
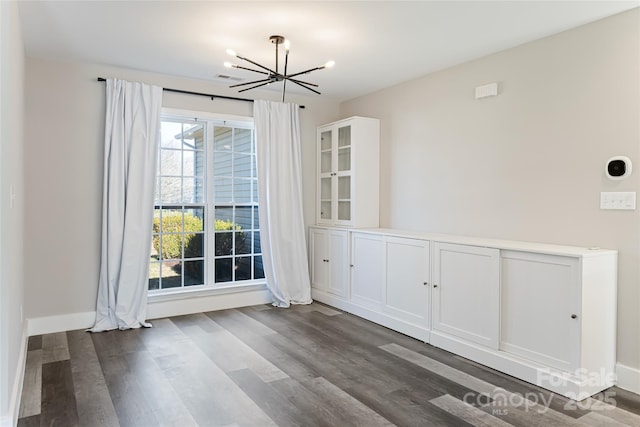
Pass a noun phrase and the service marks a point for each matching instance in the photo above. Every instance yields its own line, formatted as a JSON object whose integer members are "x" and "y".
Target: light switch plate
{"x": 618, "y": 200}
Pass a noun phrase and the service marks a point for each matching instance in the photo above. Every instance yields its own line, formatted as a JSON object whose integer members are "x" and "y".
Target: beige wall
{"x": 11, "y": 217}
{"x": 529, "y": 163}
{"x": 63, "y": 176}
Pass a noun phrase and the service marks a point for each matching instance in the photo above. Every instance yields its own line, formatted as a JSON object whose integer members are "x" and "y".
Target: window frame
{"x": 209, "y": 121}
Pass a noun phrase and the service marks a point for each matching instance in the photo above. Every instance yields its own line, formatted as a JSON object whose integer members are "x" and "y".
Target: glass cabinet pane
{"x": 325, "y": 140}
{"x": 344, "y": 136}
{"x": 344, "y": 159}
{"x": 325, "y": 162}
{"x": 325, "y": 188}
{"x": 344, "y": 211}
{"x": 344, "y": 187}
{"x": 325, "y": 210}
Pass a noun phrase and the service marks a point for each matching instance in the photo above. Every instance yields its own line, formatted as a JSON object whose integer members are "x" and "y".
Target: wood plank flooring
{"x": 263, "y": 366}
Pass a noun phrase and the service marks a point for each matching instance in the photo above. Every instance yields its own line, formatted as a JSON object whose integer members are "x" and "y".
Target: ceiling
{"x": 375, "y": 44}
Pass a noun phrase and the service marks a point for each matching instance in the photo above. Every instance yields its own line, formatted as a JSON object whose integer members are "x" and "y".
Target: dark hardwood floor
{"x": 263, "y": 366}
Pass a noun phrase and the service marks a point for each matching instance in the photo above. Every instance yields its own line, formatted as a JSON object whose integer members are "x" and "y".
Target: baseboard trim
{"x": 11, "y": 418}
{"x": 628, "y": 378}
{"x": 61, "y": 323}
{"x": 155, "y": 310}
{"x": 200, "y": 304}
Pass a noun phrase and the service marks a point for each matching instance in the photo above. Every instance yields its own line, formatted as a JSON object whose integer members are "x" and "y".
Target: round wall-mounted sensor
{"x": 618, "y": 167}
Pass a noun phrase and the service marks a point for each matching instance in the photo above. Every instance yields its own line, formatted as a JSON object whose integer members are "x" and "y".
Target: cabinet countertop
{"x": 513, "y": 245}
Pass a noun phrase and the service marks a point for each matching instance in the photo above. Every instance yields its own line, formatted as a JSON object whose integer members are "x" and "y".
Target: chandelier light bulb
{"x": 232, "y": 52}
{"x": 329, "y": 64}
{"x": 228, "y": 64}
{"x": 287, "y": 45}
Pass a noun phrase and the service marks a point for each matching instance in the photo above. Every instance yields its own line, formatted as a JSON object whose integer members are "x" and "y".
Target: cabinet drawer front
{"x": 539, "y": 298}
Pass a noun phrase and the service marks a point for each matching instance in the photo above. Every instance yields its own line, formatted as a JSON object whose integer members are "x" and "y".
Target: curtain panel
{"x": 132, "y": 126}
{"x": 282, "y": 230}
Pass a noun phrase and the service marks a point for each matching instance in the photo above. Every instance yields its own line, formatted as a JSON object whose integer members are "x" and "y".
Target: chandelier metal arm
{"x": 270, "y": 79}
{"x": 257, "y": 65}
{"x": 253, "y": 87}
{"x": 286, "y": 62}
{"x": 306, "y": 87}
{"x": 301, "y": 81}
{"x": 306, "y": 71}
{"x": 250, "y": 69}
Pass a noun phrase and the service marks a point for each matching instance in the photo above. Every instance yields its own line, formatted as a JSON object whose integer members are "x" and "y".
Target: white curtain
{"x": 282, "y": 232}
{"x": 132, "y": 127}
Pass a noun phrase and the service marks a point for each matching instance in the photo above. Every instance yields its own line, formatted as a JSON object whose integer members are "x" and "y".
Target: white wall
{"x": 12, "y": 339}
{"x": 63, "y": 173}
{"x": 529, "y": 163}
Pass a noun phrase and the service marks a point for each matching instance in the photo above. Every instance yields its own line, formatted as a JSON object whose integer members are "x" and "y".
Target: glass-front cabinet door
{"x": 326, "y": 176}
{"x": 335, "y": 175}
{"x": 347, "y": 168}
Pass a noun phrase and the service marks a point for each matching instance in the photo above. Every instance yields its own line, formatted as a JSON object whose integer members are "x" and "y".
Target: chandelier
{"x": 274, "y": 75}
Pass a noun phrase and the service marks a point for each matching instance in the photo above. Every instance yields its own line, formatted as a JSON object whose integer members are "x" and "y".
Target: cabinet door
{"x": 338, "y": 263}
{"x": 540, "y": 317}
{"x": 367, "y": 272}
{"x": 407, "y": 289}
{"x": 319, "y": 258}
{"x": 466, "y": 284}
{"x": 326, "y": 166}
{"x": 343, "y": 174}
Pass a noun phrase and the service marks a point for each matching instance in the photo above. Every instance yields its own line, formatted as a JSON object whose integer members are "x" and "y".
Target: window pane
{"x": 197, "y": 213}
{"x": 170, "y": 191}
{"x": 243, "y": 242}
{"x": 242, "y": 190}
{"x": 255, "y": 191}
{"x": 154, "y": 275}
{"x": 222, "y": 190}
{"x": 242, "y": 165}
{"x": 224, "y": 243}
{"x": 242, "y": 141}
{"x": 170, "y": 135}
{"x": 224, "y": 218}
{"x": 258, "y": 272}
{"x": 193, "y": 273}
{"x": 222, "y": 164}
{"x": 192, "y": 190}
{"x": 170, "y": 162}
{"x": 256, "y": 243}
{"x": 222, "y": 138}
{"x": 243, "y": 217}
{"x": 171, "y": 275}
{"x": 223, "y": 270}
{"x": 194, "y": 245}
{"x": 243, "y": 268}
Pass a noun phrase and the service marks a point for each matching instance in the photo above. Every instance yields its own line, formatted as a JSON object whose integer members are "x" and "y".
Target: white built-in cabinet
{"x": 328, "y": 263}
{"x": 406, "y": 291}
{"x": 466, "y": 292}
{"x": 543, "y": 313}
{"x": 348, "y": 156}
{"x": 367, "y": 269}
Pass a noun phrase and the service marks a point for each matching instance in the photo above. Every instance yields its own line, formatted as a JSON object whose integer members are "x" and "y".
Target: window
{"x": 205, "y": 225}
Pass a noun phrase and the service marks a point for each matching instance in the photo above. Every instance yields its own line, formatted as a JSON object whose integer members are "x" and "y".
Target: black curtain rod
{"x": 188, "y": 92}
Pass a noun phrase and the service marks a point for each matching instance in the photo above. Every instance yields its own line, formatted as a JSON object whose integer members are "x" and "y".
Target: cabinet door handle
{"x": 425, "y": 283}
{"x": 574, "y": 316}
{"x": 435, "y": 285}
{"x": 351, "y": 265}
